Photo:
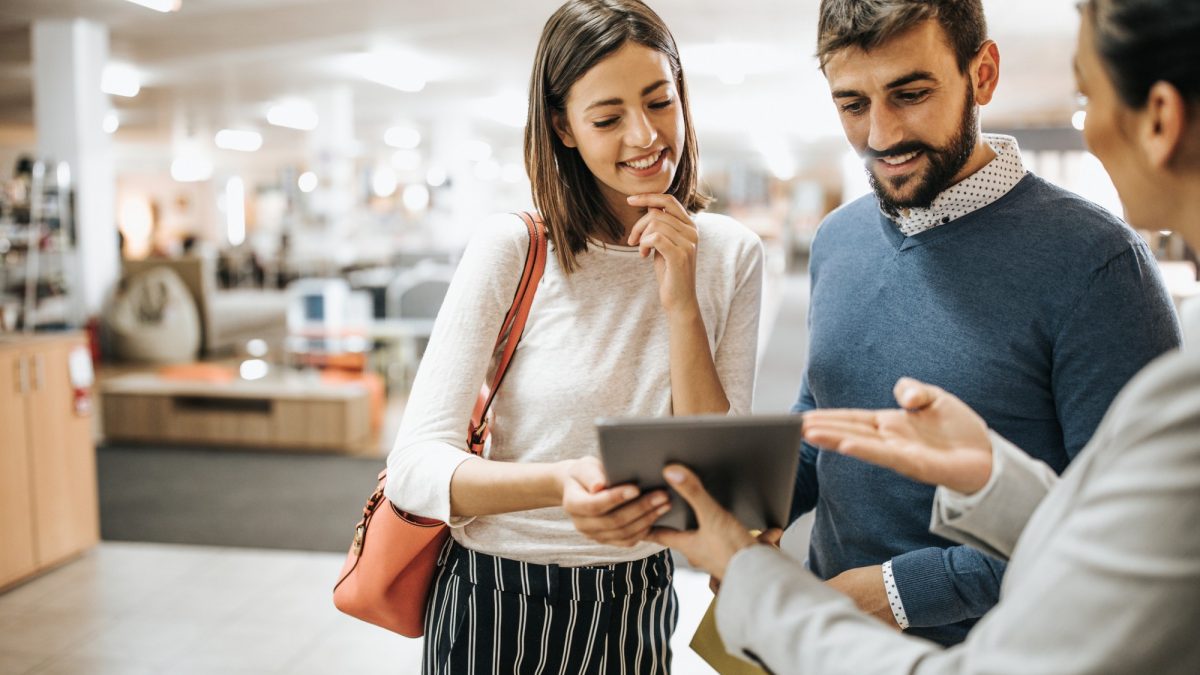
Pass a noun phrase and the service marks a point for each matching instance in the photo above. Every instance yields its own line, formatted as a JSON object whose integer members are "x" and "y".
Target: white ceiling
{"x": 219, "y": 63}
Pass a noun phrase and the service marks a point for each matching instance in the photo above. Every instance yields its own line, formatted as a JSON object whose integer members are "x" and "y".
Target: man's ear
{"x": 1163, "y": 124}
{"x": 985, "y": 72}
{"x": 559, "y": 121}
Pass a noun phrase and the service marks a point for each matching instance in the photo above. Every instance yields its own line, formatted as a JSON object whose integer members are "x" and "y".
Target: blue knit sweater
{"x": 1034, "y": 310}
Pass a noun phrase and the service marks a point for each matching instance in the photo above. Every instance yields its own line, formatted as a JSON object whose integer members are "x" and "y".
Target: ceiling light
{"x": 242, "y": 141}
{"x": 384, "y": 181}
{"x": 293, "y": 115}
{"x": 391, "y": 69}
{"x": 307, "y": 182}
{"x": 120, "y": 80}
{"x": 1079, "y": 119}
{"x": 235, "y": 211}
{"x": 416, "y": 197}
{"x": 405, "y": 138}
{"x": 111, "y": 122}
{"x": 436, "y": 177}
{"x": 159, "y": 5}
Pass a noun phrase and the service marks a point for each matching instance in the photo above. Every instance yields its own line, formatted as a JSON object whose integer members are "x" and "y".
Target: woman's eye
{"x": 662, "y": 104}
{"x": 605, "y": 123}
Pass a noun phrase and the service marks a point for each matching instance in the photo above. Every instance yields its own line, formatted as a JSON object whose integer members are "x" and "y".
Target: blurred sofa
{"x": 228, "y": 317}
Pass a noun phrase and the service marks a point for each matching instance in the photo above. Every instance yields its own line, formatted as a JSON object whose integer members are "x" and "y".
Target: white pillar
{"x": 68, "y": 106}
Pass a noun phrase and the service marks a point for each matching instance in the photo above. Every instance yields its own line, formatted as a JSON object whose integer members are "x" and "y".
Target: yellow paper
{"x": 708, "y": 644}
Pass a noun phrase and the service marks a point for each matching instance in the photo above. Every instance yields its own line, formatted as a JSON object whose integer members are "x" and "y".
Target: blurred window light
{"x": 257, "y": 348}
{"x": 111, "y": 122}
{"x": 403, "y": 137}
{"x": 293, "y": 115}
{"x": 242, "y": 141}
{"x": 1079, "y": 119}
{"x": 307, "y": 182}
{"x": 391, "y": 69}
{"x": 416, "y": 197}
{"x": 777, "y": 153}
{"x": 235, "y": 211}
{"x": 191, "y": 168}
{"x": 512, "y": 172}
{"x": 159, "y": 5}
{"x": 384, "y": 181}
{"x": 508, "y": 108}
{"x": 121, "y": 79}
{"x": 136, "y": 222}
{"x": 406, "y": 160}
{"x": 477, "y": 150}
{"x": 63, "y": 175}
{"x": 488, "y": 170}
{"x": 436, "y": 177}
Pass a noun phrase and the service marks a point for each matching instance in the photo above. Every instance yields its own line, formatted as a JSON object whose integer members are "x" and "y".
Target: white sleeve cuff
{"x": 893, "y": 595}
{"x": 956, "y": 503}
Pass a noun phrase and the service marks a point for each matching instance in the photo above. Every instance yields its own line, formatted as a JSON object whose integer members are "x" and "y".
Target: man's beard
{"x": 944, "y": 164}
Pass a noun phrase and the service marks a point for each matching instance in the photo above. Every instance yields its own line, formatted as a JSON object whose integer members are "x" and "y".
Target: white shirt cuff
{"x": 893, "y": 595}
{"x": 954, "y": 503}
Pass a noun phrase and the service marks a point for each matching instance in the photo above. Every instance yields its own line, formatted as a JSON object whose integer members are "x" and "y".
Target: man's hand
{"x": 864, "y": 585}
{"x": 719, "y": 535}
{"x": 934, "y": 438}
{"x": 770, "y": 538}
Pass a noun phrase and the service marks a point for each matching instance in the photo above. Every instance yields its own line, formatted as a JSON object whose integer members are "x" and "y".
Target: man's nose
{"x": 885, "y": 131}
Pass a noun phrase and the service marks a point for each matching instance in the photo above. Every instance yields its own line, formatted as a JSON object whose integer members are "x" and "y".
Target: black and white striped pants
{"x": 499, "y": 616}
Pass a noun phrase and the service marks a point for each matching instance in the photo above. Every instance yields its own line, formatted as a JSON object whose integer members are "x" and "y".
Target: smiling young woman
{"x": 647, "y": 308}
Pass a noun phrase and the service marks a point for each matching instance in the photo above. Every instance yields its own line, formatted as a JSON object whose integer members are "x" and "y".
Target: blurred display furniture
{"x": 289, "y": 410}
{"x": 327, "y": 324}
{"x": 154, "y": 319}
{"x": 413, "y": 302}
{"x": 49, "y": 509}
{"x": 37, "y": 245}
{"x": 229, "y": 317}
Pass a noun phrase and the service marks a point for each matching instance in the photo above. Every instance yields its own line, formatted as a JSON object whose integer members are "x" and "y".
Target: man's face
{"x": 909, "y": 112}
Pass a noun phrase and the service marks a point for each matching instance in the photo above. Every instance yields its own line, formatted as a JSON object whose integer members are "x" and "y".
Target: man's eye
{"x": 854, "y": 108}
{"x": 914, "y": 96}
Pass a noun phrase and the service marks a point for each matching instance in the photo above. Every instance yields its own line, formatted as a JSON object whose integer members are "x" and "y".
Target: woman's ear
{"x": 559, "y": 121}
{"x": 1164, "y": 123}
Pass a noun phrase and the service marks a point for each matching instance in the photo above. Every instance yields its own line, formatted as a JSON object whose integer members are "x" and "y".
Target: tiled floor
{"x": 139, "y": 609}
{"x": 143, "y": 609}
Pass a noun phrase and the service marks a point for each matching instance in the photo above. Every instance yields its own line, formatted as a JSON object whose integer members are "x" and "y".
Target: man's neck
{"x": 980, "y": 156}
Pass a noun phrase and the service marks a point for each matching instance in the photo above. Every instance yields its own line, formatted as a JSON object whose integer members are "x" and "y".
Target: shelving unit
{"x": 37, "y": 248}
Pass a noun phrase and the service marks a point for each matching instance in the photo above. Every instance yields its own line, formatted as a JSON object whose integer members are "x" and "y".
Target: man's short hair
{"x": 867, "y": 24}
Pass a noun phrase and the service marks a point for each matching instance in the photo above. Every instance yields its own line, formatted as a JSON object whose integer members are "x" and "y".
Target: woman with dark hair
{"x": 1104, "y": 562}
{"x": 646, "y": 308}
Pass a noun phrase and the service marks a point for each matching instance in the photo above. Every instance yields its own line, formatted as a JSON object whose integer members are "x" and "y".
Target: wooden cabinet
{"x": 48, "y": 501}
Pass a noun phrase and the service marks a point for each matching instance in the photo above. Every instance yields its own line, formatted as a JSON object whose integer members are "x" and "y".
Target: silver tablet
{"x": 748, "y": 464}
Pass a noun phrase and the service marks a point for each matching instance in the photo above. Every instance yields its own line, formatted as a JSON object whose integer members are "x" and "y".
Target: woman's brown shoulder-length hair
{"x": 579, "y": 35}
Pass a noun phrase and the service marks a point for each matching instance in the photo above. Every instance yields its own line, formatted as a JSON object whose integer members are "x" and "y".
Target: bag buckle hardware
{"x": 360, "y": 533}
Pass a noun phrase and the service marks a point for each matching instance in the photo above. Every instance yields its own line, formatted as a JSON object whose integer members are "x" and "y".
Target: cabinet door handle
{"x": 39, "y": 372}
{"x": 22, "y": 376}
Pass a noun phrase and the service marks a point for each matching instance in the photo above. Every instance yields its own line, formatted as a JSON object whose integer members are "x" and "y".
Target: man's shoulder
{"x": 851, "y": 219}
{"x": 1069, "y": 222}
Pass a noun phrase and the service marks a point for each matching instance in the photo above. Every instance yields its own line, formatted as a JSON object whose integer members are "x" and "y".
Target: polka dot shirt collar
{"x": 974, "y": 192}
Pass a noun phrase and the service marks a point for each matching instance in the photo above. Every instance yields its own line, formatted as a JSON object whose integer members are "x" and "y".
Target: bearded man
{"x": 964, "y": 270}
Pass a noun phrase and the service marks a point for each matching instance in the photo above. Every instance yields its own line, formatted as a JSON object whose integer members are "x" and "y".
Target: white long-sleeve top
{"x": 596, "y": 344}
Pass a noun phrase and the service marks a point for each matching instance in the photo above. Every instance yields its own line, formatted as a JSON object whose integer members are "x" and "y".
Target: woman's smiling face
{"x": 625, "y": 119}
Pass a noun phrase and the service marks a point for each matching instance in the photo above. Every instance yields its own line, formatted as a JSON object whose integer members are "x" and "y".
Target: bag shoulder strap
{"x": 512, "y": 328}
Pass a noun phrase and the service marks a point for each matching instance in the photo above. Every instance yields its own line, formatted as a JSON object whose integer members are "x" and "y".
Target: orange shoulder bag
{"x": 393, "y": 558}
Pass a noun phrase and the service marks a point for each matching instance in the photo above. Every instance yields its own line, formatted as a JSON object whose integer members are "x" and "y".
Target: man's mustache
{"x": 898, "y": 149}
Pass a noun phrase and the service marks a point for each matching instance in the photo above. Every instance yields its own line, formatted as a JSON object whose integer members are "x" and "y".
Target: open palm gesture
{"x": 933, "y": 438}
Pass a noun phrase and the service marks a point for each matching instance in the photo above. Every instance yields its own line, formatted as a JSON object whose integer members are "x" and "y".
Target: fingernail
{"x": 659, "y": 499}
{"x": 674, "y": 475}
{"x": 629, "y": 493}
{"x": 663, "y": 509}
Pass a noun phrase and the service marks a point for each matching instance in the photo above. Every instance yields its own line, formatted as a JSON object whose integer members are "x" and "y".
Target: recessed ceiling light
{"x": 242, "y": 141}
{"x": 293, "y": 115}
{"x": 120, "y": 79}
{"x": 159, "y": 5}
